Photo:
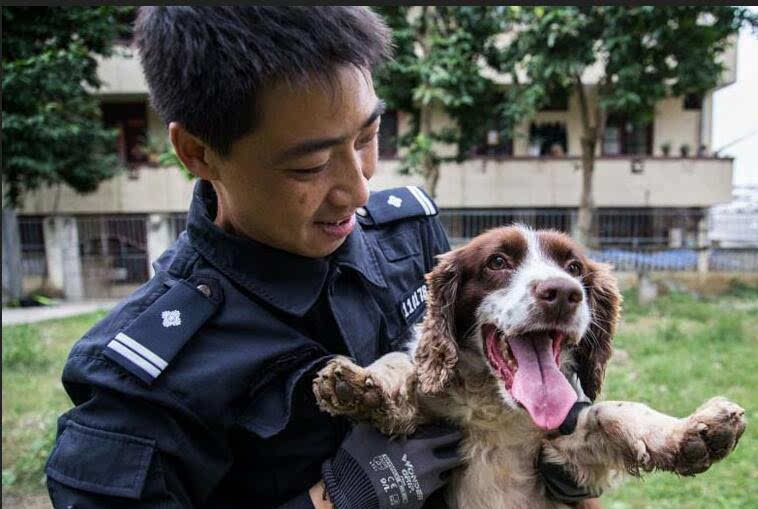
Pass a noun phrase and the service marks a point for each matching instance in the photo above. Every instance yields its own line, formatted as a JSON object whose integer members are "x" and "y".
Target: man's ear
{"x": 193, "y": 152}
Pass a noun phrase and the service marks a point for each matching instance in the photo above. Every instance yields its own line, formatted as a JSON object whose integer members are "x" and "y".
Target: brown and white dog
{"x": 518, "y": 323}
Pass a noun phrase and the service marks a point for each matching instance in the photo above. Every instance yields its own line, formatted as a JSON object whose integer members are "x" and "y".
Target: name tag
{"x": 413, "y": 303}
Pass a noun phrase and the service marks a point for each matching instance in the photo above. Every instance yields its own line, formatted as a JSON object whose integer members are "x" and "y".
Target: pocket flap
{"x": 100, "y": 461}
{"x": 270, "y": 407}
{"x": 398, "y": 246}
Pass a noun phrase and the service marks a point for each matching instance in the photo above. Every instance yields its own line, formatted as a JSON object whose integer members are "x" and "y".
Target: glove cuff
{"x": 561, "y": 486}
{"x": 569, "y": 423}
{"x": 346, "y": 483}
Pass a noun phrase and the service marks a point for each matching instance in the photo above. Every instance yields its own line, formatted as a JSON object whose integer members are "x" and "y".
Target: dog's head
{"x": 526, "y": 303}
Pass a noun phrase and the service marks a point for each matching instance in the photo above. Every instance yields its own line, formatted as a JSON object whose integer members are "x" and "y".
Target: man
{"x": 195, "y": 391}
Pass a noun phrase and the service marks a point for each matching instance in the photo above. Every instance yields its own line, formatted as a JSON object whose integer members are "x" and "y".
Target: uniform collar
{"x": 356, "y": 253}
{"x": 261, "y": 269}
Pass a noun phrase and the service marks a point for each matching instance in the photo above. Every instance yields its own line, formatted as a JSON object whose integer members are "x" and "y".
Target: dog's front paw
{"x": 710, "y": 434}
{"x": 343, "y": 388}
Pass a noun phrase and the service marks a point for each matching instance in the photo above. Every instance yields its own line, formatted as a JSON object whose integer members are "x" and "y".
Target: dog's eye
{"x": 497, "y": 262}
{"x": 574, "y": 268}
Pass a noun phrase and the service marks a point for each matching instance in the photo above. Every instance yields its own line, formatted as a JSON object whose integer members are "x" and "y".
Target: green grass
{"x": 673, "y": 354}
{"x": 33, "y": 398}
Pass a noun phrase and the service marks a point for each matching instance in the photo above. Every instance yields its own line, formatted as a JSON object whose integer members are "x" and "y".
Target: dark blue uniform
{"x": 195, "y": 391}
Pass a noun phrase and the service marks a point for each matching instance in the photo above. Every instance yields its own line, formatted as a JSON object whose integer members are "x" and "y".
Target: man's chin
{"x": 319, "y": 248}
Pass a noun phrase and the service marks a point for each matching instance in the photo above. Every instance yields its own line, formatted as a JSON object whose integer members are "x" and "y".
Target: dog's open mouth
{"x": 528, "y": 366}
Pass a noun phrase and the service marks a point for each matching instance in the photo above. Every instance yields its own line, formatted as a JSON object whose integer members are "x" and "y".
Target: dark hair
{"x": 205, "y": 66}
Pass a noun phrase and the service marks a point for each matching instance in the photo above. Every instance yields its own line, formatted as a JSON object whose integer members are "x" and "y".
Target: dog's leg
{"x": 384, "y": 393}
{"x": 613, "y": 436}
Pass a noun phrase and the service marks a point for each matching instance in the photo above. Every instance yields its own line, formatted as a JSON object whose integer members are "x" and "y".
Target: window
{"x": 557, "y": 100}
{"x": 548, "y": 139}
{"x": 622, "y": 136}
{"x": 388, "y": 135}
{"x": 33, "y": 260}
{"x": 693, "y": 101}
{"x": 494, "y": 145}
{"x": 131, "y": 121}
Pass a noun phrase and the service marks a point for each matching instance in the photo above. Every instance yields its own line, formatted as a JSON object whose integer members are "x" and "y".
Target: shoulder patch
{"x": 395, "y": 204}
{"x": 148, "y": 344}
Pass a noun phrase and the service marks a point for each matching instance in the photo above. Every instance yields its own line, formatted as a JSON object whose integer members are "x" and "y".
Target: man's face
{"x": 295, "y": 181}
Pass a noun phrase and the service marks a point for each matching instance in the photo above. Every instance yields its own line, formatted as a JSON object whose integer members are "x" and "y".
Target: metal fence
{"x": 113, "y": 251}
{"x": 633, "y": 239}
{"x": 177, "y": 223}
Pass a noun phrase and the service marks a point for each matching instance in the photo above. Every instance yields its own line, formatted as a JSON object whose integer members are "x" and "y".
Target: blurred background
{"x": 635, "y": 129}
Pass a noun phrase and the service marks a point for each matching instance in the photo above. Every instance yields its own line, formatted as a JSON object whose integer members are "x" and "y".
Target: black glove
{"x": 561, "y": 486}
{"x": 559, "y": 483}
{"x": 372, "y": 471}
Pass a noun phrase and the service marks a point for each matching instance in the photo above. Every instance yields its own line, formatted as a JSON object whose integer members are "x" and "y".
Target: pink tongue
{"x": 538, "y": 384}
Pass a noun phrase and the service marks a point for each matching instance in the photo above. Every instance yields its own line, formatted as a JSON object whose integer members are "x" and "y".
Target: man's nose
{"x": 351, "y": 187}
{"x": 558, "y": 294}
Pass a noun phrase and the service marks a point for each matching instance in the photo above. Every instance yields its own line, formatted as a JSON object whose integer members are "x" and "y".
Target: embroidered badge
{"x": 395, "y": 201}
{"x": 171, "y": 318}
{"x": 413, "y": 302}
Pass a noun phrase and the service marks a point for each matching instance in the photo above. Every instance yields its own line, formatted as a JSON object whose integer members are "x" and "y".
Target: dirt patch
{"x": 27, "y": 501}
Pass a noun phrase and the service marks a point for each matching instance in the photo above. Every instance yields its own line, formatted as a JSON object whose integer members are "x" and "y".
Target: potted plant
{"x": 666, "y": 148}
{"x": 154, "y": 146}
{"x": 684, "y": 150}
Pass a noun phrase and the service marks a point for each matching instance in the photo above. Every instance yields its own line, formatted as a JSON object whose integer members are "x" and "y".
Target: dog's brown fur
{"x": 448, "y": 379}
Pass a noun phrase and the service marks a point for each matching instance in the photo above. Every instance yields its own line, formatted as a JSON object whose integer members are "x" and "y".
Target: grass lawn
{"x": 33, "y": 397}
{"x": 672, "y": 355}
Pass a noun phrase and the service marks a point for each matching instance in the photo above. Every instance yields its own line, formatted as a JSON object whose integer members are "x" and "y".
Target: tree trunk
{"x": 590, "y": 133}
{"x": 431, "y": 177}
{"x": 430, "y": 169}
{"x": 12, "y": 269}
{"x": 586, "y": 204}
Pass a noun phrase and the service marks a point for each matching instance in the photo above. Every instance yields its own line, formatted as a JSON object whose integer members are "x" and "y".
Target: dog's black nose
{"x": 558, "y": 293}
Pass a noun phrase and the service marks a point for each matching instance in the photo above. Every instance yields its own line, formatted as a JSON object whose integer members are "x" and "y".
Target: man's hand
{"x": 559, "y": 482}
{"x": 317, "y": 493}
{"x": 370, "y": 468}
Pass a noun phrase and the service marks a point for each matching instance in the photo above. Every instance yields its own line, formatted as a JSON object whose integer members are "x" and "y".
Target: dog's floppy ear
{"x": 594, "y": 350}
{"x": 436, "y": 353}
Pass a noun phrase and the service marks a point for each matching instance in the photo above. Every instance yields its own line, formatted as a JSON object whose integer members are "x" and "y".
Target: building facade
{"x": 653, "y": 185}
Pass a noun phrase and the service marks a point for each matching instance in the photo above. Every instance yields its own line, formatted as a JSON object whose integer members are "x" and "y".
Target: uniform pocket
{"x": 100, "y": 461}
{"x": 399, "y": 246}
{"x": 270, "y": 405}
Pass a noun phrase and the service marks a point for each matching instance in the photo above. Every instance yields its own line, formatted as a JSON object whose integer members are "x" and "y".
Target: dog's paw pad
{"x": 343, "y": 388}
{"x": 712, "y": 433}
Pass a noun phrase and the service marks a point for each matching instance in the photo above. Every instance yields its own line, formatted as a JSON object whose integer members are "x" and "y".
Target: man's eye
{"x": 309, "y": 171}
{"x": 366, "y": 140}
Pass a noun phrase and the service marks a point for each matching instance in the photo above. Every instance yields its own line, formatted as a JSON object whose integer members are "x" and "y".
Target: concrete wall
{"x": 153, "y": 190}
{"x": 677, "y": 126}
{"x": 672, "y": 123}
{"x": 513, "y": 182}
{"x": 556, "y": 182}
{"x": 121, "y": 73}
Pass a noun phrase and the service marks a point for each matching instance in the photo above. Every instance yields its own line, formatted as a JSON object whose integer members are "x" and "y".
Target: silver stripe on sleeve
{"x": 422, "y": 199}
{"x": 140, "y": 349}
{"x": 133, "y": 357}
